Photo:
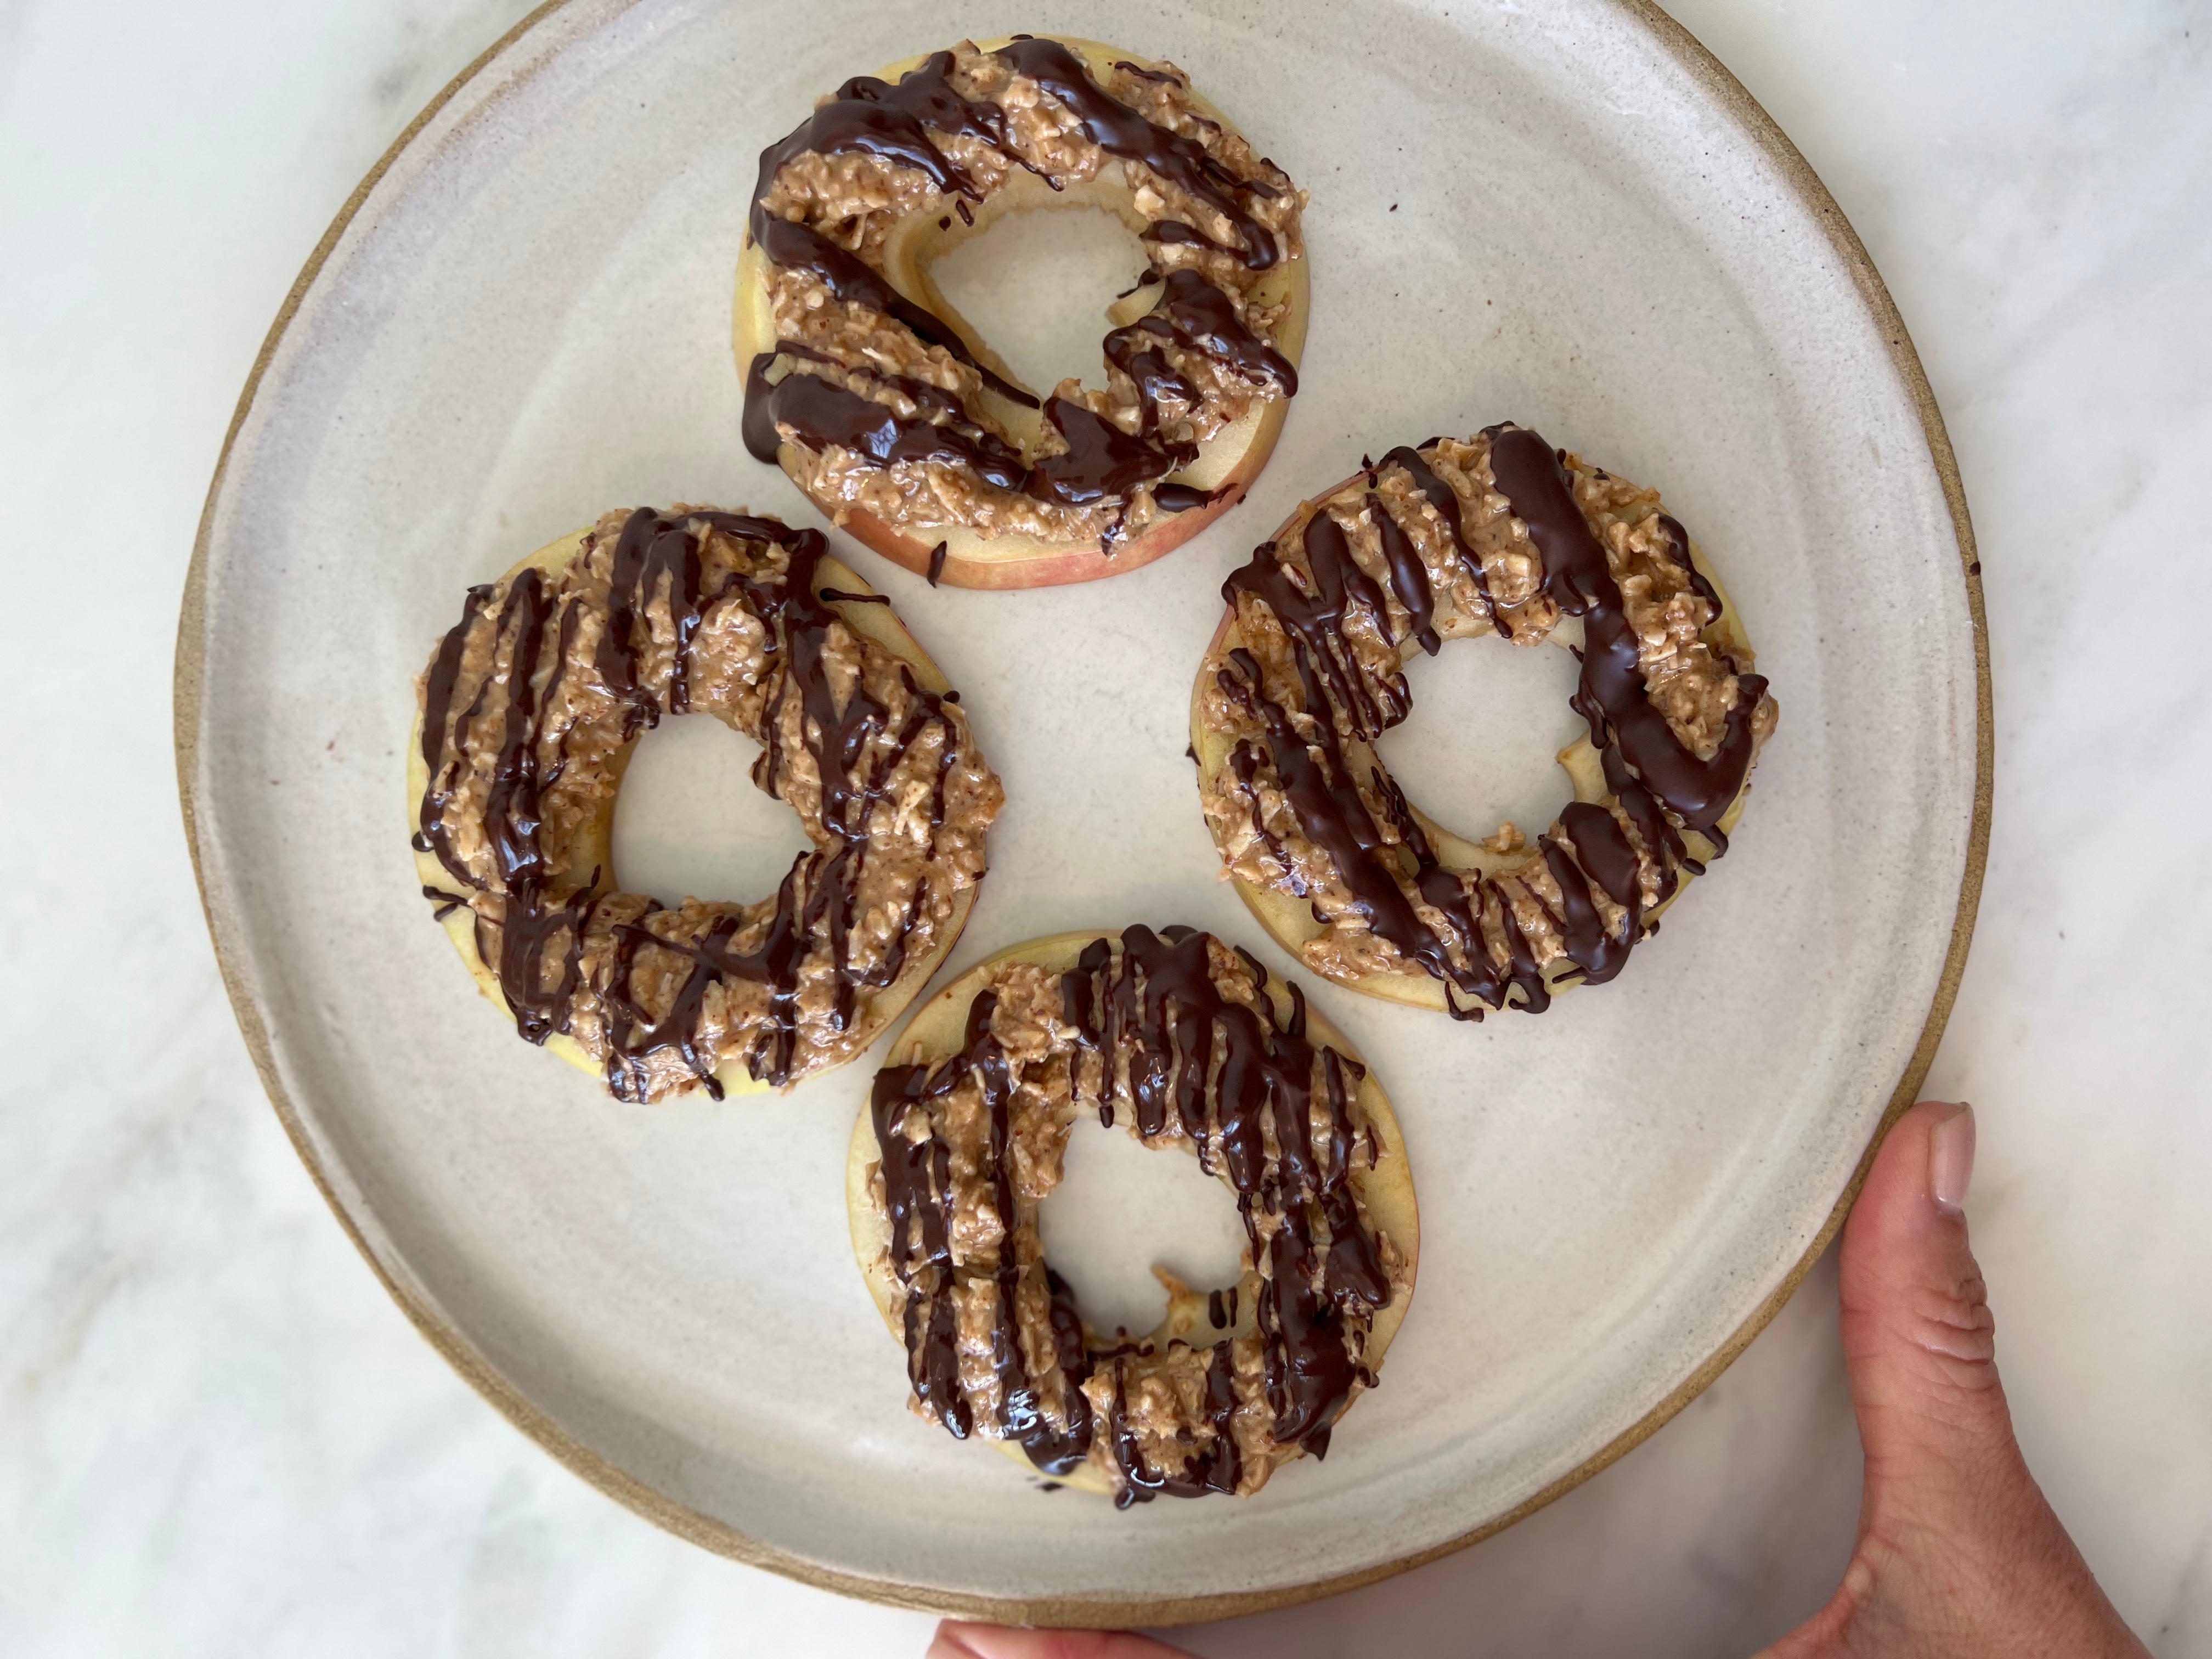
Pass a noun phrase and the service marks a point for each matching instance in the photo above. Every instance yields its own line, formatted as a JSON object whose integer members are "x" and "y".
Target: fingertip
{"x": 1951, "y": 1158}
{"x": 958, "y": 1639}
{"x": 1922, "y": 1167}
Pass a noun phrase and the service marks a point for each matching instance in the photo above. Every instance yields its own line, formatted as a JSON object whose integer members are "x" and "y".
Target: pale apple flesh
{"x": 596, "y": 837}
{"x": 1227, "y": 464}
{"x": 938, "y": 1031}
{"x": 1290, "y": 920}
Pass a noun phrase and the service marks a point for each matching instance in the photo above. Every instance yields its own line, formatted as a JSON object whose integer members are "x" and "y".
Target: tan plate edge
{"x": 1098, "y": 1611}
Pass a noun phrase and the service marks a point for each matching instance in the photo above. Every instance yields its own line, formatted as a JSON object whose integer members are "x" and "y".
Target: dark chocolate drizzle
{"x": 1186, "y": 498}
{"x": 1611, "y": 697}
{"x": 1443, "y": 497}
{"x": 1183, "y": 1060}
{"x": 1100, "y": 462}
{"x": 869, "y": 116}
{"x": 533, "y": 930}
{"x": 849, "y": 277}
{"x": 1660, "y": 785}
{"x": 1128, "y": 137}
{"x": 825, "y": 415}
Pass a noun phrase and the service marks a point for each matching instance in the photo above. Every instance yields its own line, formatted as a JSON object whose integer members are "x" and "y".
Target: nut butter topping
{"x": 527, "y": 705}
{"x": 1177, "y": 1031}
{"x": 1103, "y": 466}
{"x": 1303, "y": 803}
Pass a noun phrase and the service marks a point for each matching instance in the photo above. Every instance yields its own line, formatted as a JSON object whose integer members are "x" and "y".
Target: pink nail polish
{"x": 1951, "y": 1160}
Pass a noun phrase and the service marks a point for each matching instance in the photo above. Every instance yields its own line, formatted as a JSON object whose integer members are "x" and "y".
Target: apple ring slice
{"x": 527, "y": 715}
{"x": 893, "y": 414}
{"x": 1499, "y": 535}
{"x": 964, "y": 1141}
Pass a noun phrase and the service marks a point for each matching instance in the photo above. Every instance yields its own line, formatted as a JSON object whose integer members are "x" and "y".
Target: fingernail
{"x": 1951, "y": 1160}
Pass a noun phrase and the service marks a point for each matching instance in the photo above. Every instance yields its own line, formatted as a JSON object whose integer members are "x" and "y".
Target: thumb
{"x": 1958, "y": 1553}
{"x": 1917, "y": 1333}
{"x": 1957, "y": 1546}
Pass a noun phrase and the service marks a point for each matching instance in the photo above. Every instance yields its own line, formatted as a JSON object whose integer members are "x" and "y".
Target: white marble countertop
{"x": 218, "y": 1436}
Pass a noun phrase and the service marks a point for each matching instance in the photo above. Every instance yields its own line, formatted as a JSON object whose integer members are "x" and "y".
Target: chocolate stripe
{"x": 1099, "y": 464}
{"x": 532, "y": 926}
{"x": 1185, "y": 1059}
{"x": 1612, "y": 697}
{"x": 1481, "y": 951}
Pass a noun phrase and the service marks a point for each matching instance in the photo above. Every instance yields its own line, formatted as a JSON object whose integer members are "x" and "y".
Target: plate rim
{"x": 1108, "y": 1610}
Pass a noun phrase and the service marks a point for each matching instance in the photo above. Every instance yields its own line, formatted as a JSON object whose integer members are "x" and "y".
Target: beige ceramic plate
{"x": 1563, "y": 214}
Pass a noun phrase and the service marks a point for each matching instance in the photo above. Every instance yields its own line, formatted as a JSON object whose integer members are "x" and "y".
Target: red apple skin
{"x": 1046, "y": 567}
{"x": 1055, "y": 567}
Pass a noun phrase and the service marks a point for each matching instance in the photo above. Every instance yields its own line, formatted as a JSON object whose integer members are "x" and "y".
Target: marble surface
{"x": 218, "y": 1436}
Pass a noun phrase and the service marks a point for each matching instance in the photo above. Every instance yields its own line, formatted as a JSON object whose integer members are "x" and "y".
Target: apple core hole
{"x": 1481, "y": 744}
{"x": 690, "y": 823}
{"x": 1037, "y": 284}
{"x": 1121, "y": 1208}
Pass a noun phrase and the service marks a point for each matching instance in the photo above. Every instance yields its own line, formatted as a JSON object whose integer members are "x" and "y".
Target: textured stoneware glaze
{"x": 1566, "y": 215}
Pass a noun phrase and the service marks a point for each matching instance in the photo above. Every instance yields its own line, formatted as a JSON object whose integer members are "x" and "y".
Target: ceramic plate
{"x": 1565, "y": 215}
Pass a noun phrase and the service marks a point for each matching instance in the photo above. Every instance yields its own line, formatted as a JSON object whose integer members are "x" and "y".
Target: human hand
{"x": 957, "y": 1639}
{"x": 1959, "y": 1555}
